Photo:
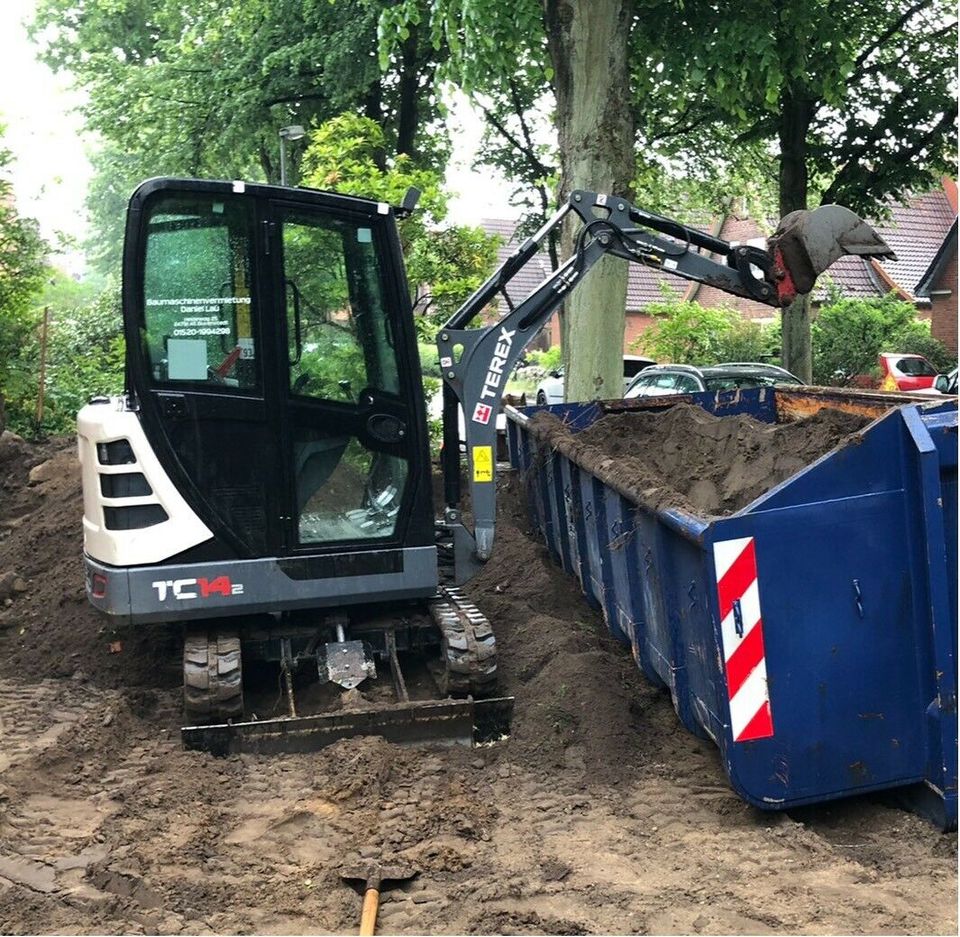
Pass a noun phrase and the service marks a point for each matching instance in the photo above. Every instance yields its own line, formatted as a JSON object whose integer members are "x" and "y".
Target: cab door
{"x": 353, "y": 416}
{"x": 200, "y": 356}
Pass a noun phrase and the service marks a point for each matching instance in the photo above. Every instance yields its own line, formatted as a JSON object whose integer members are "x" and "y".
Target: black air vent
{"x": 118, "y": 452}
{"x": 127, "y": 485}
{"x": 135, "y": 517}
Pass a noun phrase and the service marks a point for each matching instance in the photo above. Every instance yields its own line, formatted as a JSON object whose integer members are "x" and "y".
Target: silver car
{"x": 550, "y": 389}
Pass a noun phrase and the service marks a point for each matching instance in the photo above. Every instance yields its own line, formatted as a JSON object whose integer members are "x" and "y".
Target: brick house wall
{"x": 943, "y": 305}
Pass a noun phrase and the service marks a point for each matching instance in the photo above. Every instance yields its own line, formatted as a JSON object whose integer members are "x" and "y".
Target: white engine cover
{"x": 109, "y": 422}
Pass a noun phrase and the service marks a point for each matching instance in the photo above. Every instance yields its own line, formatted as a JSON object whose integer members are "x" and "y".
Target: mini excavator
{"x": 264, "y": 483}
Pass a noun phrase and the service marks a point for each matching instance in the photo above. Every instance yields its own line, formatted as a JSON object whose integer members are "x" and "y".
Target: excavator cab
{"x": 273, "y": 371}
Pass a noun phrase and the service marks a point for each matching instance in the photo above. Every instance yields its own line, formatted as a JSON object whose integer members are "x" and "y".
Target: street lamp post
{"x": 293, "y": 132}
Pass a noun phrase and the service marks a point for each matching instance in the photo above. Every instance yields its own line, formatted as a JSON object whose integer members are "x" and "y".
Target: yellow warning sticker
{"x": 483, "y": 463}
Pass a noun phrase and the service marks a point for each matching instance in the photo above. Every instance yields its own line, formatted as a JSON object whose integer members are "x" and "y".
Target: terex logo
{"x": 491, "y": 382}
{"x": 196, "y": 588}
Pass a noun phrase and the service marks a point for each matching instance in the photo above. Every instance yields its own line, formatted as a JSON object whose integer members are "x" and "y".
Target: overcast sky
{"x": 51, "y": 170}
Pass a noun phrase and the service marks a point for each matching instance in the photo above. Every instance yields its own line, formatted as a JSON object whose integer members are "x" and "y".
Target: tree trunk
{"x": 588, "y": 42}
{"x": 409, "y": 93}
{"x": 795, "y": 115}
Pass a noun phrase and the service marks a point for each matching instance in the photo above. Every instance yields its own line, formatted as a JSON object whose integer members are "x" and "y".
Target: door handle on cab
{"x": 386, "y": 428}
{"x": 173, "y": 406}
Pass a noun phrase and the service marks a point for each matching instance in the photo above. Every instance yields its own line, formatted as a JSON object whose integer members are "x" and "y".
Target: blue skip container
{"x": 811, "y": 634}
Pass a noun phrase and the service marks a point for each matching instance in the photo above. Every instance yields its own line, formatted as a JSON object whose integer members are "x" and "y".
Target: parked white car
{"x": 550, "y": 389}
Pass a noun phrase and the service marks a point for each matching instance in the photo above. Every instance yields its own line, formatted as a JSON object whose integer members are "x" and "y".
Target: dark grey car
{"x": 663, "y": 379}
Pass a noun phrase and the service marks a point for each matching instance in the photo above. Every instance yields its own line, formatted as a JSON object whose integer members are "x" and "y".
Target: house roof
{"x": 932, "y": 273}
{"x": 916, "y": 232}
{"x": 919, "y": 232}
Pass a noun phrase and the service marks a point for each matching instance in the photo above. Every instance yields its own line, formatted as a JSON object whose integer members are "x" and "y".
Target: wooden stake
{"x": 43, "y": 365}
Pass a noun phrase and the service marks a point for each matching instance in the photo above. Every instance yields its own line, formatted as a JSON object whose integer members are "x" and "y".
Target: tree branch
{"x": 885, "y": 36}
{"x": 528, "y": 153}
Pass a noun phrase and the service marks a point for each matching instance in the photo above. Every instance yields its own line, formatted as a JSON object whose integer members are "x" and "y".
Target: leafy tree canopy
{"x": 202, "y": 89}
{"x": 859, "y": 98}
{"x": 445, "y": 263}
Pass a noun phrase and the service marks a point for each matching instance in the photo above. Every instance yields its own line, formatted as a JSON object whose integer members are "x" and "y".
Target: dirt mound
{"x": 47, "y": 627}
{"x": 578, "y": 693}
{"x": 704, "y": 464}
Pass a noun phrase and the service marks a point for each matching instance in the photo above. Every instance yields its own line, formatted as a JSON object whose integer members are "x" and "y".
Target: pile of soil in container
{"x": 704, "y": 464}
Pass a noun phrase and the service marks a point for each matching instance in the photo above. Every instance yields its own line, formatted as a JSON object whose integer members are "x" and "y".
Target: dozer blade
{"x": 807, "y": 242}
{"x": 448, "y": 722}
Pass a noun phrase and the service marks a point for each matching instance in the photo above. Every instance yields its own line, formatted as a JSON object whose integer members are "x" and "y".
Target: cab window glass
{"x": 198, "y": 317}
{"x": 339, "y": 337}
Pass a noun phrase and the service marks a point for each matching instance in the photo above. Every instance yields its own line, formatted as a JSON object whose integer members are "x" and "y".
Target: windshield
{"x": 916, "y": 367}
{"x": 735, "y": 381}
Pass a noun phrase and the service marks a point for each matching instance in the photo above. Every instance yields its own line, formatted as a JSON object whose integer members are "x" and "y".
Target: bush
{"x": 429, "y": 360}
{"x": 917, "y": 340}
{"x": 747, "y": 340}
{"x": 686, "y": 332}
{"x": 85, "y": 357}
{"x": 850, "y": 333}
{"x": 547, "y": 361}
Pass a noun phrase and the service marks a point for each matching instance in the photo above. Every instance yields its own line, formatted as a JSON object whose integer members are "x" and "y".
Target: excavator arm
{"x": 476, "y": 362}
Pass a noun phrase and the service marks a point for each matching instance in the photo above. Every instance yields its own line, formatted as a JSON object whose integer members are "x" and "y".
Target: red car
{"x": 905, "y": 372}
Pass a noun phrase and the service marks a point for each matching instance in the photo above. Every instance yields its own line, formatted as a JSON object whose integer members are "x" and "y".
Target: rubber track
{"x": 212, "y": 677}
{"x": 469, "y": 647}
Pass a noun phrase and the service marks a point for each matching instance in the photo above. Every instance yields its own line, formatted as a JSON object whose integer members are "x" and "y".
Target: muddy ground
{"x": 599, "y": 815}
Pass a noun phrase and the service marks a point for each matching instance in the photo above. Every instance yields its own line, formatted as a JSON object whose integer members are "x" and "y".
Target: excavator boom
{"x": 476, "y": 362}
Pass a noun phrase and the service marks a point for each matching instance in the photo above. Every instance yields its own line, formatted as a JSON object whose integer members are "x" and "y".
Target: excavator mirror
{"x": 409, "y": 203}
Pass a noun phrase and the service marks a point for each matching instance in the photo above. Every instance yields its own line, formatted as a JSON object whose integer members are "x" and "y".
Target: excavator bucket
{"x": 807, "y": 242}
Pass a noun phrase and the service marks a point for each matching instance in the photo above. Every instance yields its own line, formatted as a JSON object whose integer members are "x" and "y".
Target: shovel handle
{"x": 368, "y": 916}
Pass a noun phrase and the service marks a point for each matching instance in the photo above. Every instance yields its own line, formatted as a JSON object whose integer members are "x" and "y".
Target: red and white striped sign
{"x": 741, "y": 627}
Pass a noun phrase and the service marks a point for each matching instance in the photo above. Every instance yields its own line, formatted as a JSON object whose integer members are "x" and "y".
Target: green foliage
{"x": 201, "y": 89}
{"x": 334, "y": 367}
{"x": 916, "y": 339}
{"x": 22, "y": 271}
{"x": 429, "y": 360}
{"x": 116, "y": 174}
{"x": 747, "y": 340}
{"x": 850, "y": 333}
{"x": 549, "y": 360}
{"x": 431, "y": 387}
{"x": 860, "y": 98}
{"x": 347, "y": 154}
{"x": 685, "y": 332}
{"x": 445, "y": 264}
{"x": 85, "y": 356}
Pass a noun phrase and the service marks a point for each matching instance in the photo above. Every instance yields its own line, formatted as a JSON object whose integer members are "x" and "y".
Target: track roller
{"x": 469, "y": 648}
{"x": 212, "y": 676}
